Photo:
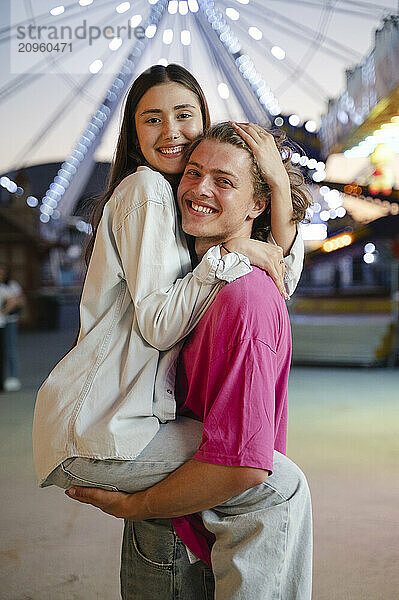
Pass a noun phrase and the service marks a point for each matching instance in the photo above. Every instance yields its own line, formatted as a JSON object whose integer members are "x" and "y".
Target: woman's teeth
{"x": 174, "y": 150}
{"x": 203, "y": 209}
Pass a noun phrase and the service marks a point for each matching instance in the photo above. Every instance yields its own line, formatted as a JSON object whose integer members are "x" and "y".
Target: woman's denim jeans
{"x": 155, "y": 565}
{"x": 263, "y": 547}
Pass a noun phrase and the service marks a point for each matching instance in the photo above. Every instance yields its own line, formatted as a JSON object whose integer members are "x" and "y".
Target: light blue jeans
{"x": 263, "y": 547}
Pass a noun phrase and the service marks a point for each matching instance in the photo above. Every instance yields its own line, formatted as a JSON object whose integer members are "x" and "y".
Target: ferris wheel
{"x": 235, "y": 47}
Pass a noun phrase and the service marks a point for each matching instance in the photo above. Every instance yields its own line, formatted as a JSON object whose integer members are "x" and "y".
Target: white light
{"x": 57, "y": 10}
{"x": 293, "y": 120}
{"x": 324, "y": 190}
{"x": 173, "y": 7}
{"x": 320, "y": 166}
{"x": 369, "y": 248}
{"x": 163, "y": 62}
{"x": 274, "y": 110}
{"x": 312, "y": 162}
{"x": 233, "y": 14}
{"x": 303, "y": 161}
{"x": 223, "y": 91}
{"x": 310, "y": 126}
{"x": 121, "y": 8}
{"x": 333, "y": 214}
{"x": 152, "y": 1}
{"x": 193, "y": 6}
{"x": 151, "y": 31}
{"x": 85, "y": 2}
{"x": 316, "y": 207}
{"x": 324, "y": 215}
{"x": 243, "y": 1}
{"x": 333, "y": 199}
{"x": 255, "y": 33}
{"x": 115, "y": 43}
{"x": 12, "y": 187}
{"x": 96, "y": 66}
{"x": 135, "y": 20}
{"x": 183, "y": 7}
{"x": 295, "y": 158}
{"x": 341, "y": 212}
{"x": 279, "y": 121}
{"x": 4, "y": 181}
{"x": 319, "y": 176}
{"x": 44, "y": 218}
{"x": 167, "y": 37}
{"x": 32, "y": 201}
{"x": 314, "y": 231}
{"x": 369, "y": 258}
{"x": 342, "y": 117}
{"x": 278, "y": 52}
{"x": 185, "y": 37}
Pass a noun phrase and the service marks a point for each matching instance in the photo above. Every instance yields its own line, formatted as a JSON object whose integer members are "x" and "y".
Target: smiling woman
{"x": 168, "y": 118}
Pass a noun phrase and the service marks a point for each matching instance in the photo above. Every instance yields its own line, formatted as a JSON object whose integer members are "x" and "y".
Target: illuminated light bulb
{"x": 12, "y": 187}
{"x": 167, "y": 37}
{"x": 293, "y": 120}
{"x": 295, "y": 158}
{"x": 163, "y": 62}
{"x": 233, "y": 14}
{"x": 152, "y": 1}
{"x": 255, "y": 33}
{"x": 121, "y": 8}
{"x": 115, "y": 43}
{"x": 333, "y": 214}
{"x": 96, "y": 66}
{"x": 324, "y": 215}
{"x": 32, "y": 201}
{"x": 369, "y": 248}
{"x": 185, "y": 37}
{"x": 312, "y": 162}
{"x": 183, "y": 7}
{"x": 243, "y": 1}
{"x": 56, "y": 215}
{"x": 135, "y": 20}
{"x": 279, "y": 121}
{"x": 341, "y": 212}
{"x": 193, "y": 6}
{"x": 57, "y": 10}
{"x": 4, "y": 181}
{"x": 173, "y": 7}
{"x": 324, "y": 190}
{"x": 44, "y": 218}
{"x": 223, "y": 91}
{"x": 278, "y": 52}
{"x": 151, "y": 31}
{"x": 85, "y": 2}
{"x": 310, "y": 126}
{"x": 347, "y": 239}
{"x": 369, "y": 258}
{"x": 303, "y": 161}
{"x": 316, "y": 207}
{"x": 320, "y": 166}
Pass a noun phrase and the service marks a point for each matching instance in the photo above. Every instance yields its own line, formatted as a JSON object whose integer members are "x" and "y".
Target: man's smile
{"x": 200, "y": 207}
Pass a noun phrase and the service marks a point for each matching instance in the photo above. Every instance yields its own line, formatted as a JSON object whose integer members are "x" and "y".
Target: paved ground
{"x": 344, "y": 431}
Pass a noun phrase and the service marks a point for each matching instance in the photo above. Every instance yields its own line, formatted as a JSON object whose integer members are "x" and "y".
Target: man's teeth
{"x": 174, "y": 150}
{"x": 199, "y": 208}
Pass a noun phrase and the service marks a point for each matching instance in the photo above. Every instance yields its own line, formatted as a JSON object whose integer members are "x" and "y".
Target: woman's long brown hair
{"x": 128, "y": 155}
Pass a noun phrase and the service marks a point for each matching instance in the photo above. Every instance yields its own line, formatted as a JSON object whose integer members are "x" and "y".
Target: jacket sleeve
{"x": 167, "y": 306}
{"x": 293, "y": 261}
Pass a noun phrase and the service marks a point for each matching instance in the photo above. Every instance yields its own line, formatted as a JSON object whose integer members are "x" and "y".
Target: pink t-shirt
{"x": 232, "y": 375}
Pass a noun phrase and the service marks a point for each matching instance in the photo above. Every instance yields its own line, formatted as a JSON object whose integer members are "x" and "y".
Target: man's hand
{"x": 117, "y": 504}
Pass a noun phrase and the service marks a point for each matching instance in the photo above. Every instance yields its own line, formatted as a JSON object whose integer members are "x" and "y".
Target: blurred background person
{"x": 12, "y": 301}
